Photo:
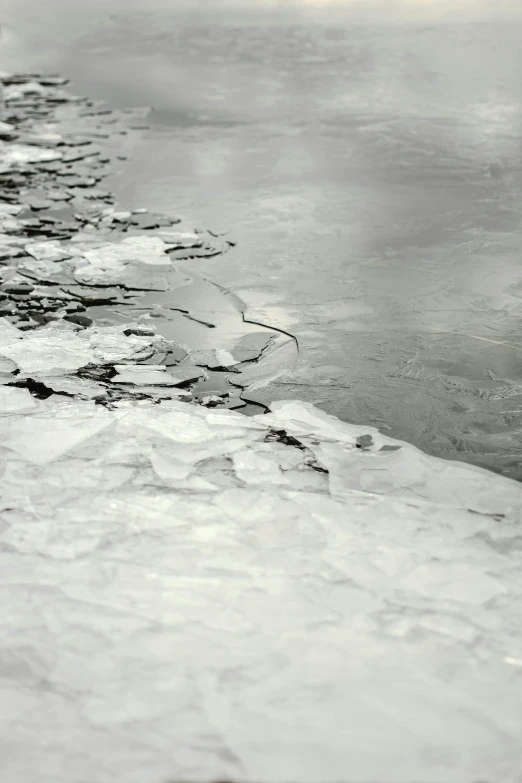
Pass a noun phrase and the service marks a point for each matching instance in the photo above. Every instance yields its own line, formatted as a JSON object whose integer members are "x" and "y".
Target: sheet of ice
{"x": 187, "y": 595}
{"x": 145, "y": 250}
{"x": 143, "y": 375}
{"x": 48, "y": 251}
{"x": 361, "y": 459}
{"x": 8, "y": 333}
{"x": 15, "y": 154}
{"x": 58, "y": 348}
{"x": 215, "y": 358}
{"x": 13, "y": 400}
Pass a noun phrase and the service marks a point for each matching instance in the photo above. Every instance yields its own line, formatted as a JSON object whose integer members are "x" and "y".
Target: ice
{"x": 73, "y": 385}
{"x": 15, "y": 154}
{"x": 391, "y": 467}
{"x": 8, "y": 333}
{"x": 179, "y": 239}
{"x": 192, "y": 594}
{"x": 7, "y": 365}
{"x": 13, "y": 400}
{"x": 112, "y": 343}
{"x": 186, "y": 597}
{"x": 254, "y": 467}
{"x": 145, "y": 250}
{"x": 10, "y": 209}
{"x": 251, "y": 346}
{"x": 48, "y": 251}
{"x": 52, "y": 431}
{"x": 6, "y": 129}
{"x": 17, "y": 91}
{"x": 108, "y": 262}
{"x": 49, "y": 350}
{"x": 146, "y": 375}
{"x": 215, "y": 358}
{"x": 57, "y": 348}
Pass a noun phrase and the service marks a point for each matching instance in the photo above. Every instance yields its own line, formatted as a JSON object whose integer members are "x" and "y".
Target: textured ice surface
{"x": 144, "y": 375}
{"x": 58, "y": 348}
{"x": 214, "y": 358}
{"x": 23, "y": 153}
{"x": 187, "y": 594}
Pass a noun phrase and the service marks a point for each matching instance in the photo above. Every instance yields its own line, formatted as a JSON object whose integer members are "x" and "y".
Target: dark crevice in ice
{"x": 242, "y": 309}
{"x": 281, "y": 436}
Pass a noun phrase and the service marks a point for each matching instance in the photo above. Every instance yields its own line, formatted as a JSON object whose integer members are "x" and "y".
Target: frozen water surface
{"x": 367, "y": 158}
{"x": 191, "y": 594}
{"x": 198, "y": 595}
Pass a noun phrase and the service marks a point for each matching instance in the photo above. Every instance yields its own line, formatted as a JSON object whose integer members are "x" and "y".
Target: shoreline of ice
{"x": 193, "y": 594}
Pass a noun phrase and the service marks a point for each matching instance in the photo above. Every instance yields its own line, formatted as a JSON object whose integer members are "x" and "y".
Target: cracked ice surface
{"x": 188, "y": 594}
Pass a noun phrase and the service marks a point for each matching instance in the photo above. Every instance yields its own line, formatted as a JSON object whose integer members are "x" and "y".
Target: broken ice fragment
{"x": 8, "y": 333}
{"x": 79, "y": 319}
{"x": 47, "y": 350}
{"x": 254, "y": 467}
{"x": 15, "y": 154}
{"x": 212, "y": 400}
{"x": 73, "y": 385}
{"x": 16, "y": 287}
{"x": 7, "y": 131}
{"x": 51, "y": 250}
{"x": 14, "y": 92}
{"x": 39, "y": 203}
{"x": 55, "y": 194}
{"x": 14, "y": 400}
{"x": 251, "y": 346}
{"x": 147, "y": 375}
{"x": 7, "y": 365}
{"x": 10, "y": 209}
{"x": 176, "y": 354}
{"x": 177, "y": 240}
{"x": 214, "y": 358}
{"x": 186, "y": 373}
{"x": 58, "y": 348}
{"x": 139, "y": 331}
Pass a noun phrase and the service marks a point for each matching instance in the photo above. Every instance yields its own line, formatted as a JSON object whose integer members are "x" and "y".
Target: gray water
{"x": 367, "y": 159}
